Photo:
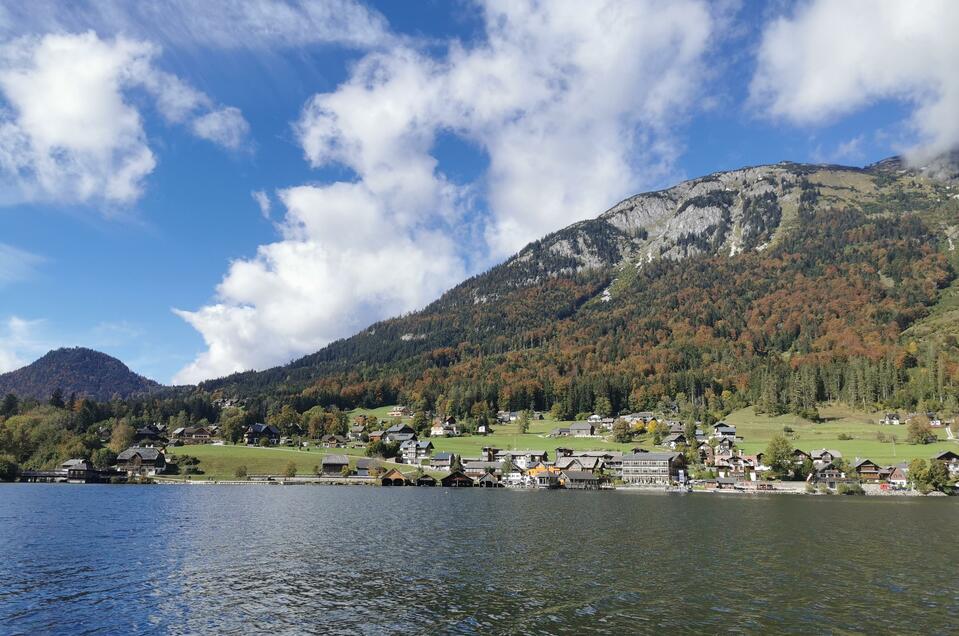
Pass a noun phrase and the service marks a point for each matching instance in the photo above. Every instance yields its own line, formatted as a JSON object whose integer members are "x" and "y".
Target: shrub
{"x": 240, "y": 472}
{"x": 850, "y": 489}
{"x": 844, "y": 436}
{"x": 9, "y": 469}
{"x": 290, "y": 470}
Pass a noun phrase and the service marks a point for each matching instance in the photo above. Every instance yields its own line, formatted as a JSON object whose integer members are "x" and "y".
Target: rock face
{"x": 77, "y": 370}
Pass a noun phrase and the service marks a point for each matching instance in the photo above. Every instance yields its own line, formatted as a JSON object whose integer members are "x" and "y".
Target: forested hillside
{"x": 777, "y": 285}
{"x": 75, "y": 371}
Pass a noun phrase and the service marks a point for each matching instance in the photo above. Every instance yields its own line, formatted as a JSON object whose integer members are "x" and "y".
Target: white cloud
{"x": 68, "y": 130}
{"x": 263, "y": 202}
{"x": 827, "y": 59}
{"x": 342, "y": 263}
{"x": 17, "y": 264}
{"x": 574, "y": 104}
{"x": 225, "y": 127}
{"x": 226, "y": 24}
{"x": 19, "y": 343}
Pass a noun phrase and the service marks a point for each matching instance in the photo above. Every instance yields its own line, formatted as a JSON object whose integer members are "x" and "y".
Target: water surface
{"x": 346, "y": 560}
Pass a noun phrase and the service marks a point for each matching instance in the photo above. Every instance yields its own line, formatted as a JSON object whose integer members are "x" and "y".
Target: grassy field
{"x": 221, "y": 462}
{"x": 757, "y": 430}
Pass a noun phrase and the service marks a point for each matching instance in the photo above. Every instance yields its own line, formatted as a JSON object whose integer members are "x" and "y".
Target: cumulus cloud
{"x": 574, "y": 104}
{"x": 225, "y": 127}
{"x": 827, "y": 59}
{"x": 263, "y": 202}
{"x": 68, "y": 128}
{"x": 228, "y": 24}
{"x": 343, "y": 262}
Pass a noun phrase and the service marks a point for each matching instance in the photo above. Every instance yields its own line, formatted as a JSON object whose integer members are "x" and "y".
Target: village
{"x": 685, "y": 458}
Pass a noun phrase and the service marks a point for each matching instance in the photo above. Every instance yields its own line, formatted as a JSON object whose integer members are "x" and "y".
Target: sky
{"x": 203, "y": 188}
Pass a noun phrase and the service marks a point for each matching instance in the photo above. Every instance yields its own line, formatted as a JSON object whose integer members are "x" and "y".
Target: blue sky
{"x": 400, "y": 147}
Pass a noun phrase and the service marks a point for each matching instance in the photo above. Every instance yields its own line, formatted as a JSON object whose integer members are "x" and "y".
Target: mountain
{"x": 744, "y": 283}
{"x": 75, "y": 370}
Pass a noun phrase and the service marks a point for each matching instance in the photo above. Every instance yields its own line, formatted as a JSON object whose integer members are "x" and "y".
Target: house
{"x": 484, "y": 429}
{"x": 824, "y": 456}
{"x": 355, "y": 434}
{"x": 400, "y": 411}
{"x": 477, "y": 468}
{"x": 898, "y": 477}
{"x": 256, "y": 432}
{"x": 145, "y": 462}
{"x": 457, "y": 479}
{"x": 580, "y": 463}
{"x": 333, "y": 441}
{"x": 444, "y": 428}
{"x": 737, "y": 466}
{"x": 722, "y": 430}
{"x": 376, "y": 436}
{"x": 800, "y": 456}
{"x": 150, "y": 433}
{"x": 515, "y": 477}
{"x": 191, "y": 435}
{"x": 594, "y": 419}
{"x": 441, "y": 461}
{"x": 543, "y": 476}
{"x": 80, "y": 471}
{"x": 332, "y": 465}
{"x": 488, "y": 480}
{"x": 398, "y": 433}
{"x": 643, "y": 416}
{"x": 951, "y": 460}
{"x": 652, "y": 468}
{"x": 413, "y": 451}
{"x": 892, "y": 419}
{"x": 522, "y": 459}
{"x": 363, "y": 466}
{"x": 578, "y": 480}
{"x": 675, "y": 440}
{"x": 393, "y": 477}
{"x": 934, "y": 420}
{"x": 828, "y": 475}
{"x": 582, "y": 429}
{"x": 562, "y": 431}
{"x": 869, "y": 470}
{"x": 425, "y": 480}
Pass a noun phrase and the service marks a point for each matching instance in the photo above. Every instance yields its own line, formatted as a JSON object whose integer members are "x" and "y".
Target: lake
{"x": 346, "y": 560}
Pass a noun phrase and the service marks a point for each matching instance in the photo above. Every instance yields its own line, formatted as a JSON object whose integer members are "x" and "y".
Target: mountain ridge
{"x": 76, "y": 370}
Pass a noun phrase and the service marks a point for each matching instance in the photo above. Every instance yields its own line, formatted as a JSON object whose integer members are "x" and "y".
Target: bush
{"x": 290, "y": 470}
{"x": 844, "y": 436}
{"x": 788, "y": 429}
{"x": 9, "y": 469}
{"x": 850, "y": 489}
{"x": 240, "y": 472}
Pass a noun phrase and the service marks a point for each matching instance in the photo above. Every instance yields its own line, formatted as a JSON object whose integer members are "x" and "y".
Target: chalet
{"x": 562, "y": 431}
{"x": 722, "y": 430}
{"x": 444, "y": 427}
{"x": 191, "y": 435}
{"x": 332, "y": 465}
{"x": 363, "y": 465}
{"x": 474, "y": 468}
{"x": 522, "y": 459}
{"x": 393, "y": 477}
{"x": 333, "y": 441}
{"x": 484, "y": 429}
{"x": 675, "y": 440}
{"x": 582, "y": 429}
{"x": 934, "y": 420}
{"x": 149, "y": 434}
{"x": 145, "y": 462}
{"x": 738, "y": 466}
{"x": 824, "y": 456}
{"x": 425, "y": 480}
{"x": 800, "y": 456}
{"x": 869, "y": 470}
{"x": 643, "y": 416}
{"x": 891, "y": 419}
{"x": 355, "y": 434}
{"x": 951, "y": 460}
{"x": 706, "y": 453}
{"x": 607, "y": 423}
{"x": 594, "y": 419}
{"x": 652, "y": 468}
{"x": 256, "y": 432}
{"x": 441, "y": 461}
{"x": 826, "y": 474}
{"x": 400, "y": 411}
{"x": 543, "y": 476}
{"x": 578, "y": 480}
{"x": 414, "y": 452}
{"x": 488, "y": 480}
{"x": 376, "y": 436}
{"x": 457, "y": 479}
{"x": 399, "y": 433}
{"x": 580, "y": 463}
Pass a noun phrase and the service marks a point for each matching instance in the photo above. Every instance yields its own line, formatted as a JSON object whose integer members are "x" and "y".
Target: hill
{"x": 76, "y": 370}
{"x": 780, "y": 285}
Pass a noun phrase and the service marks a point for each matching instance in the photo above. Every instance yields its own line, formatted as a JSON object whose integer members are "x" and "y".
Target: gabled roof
{"x": 333, "y": 460}
{"x": 947, "y": 455}
{"x": 364, "y": 462}
{"x": 147, "y": 453}
{"x": 580, "y": 426}
{"x": 659, "y": 457}
{"x": 578, "y": 475}
{"x": 442, "y": 456}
